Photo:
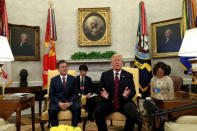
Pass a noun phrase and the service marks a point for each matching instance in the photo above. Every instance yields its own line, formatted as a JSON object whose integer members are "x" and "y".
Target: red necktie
{"x": 116, "y": 92}
{"x": 64, "y": 82}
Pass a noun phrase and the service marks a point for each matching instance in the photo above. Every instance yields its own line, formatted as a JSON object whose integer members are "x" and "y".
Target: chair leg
{"x": 154, "y": 124}
{"x": 84, "y": 123}
{"x": 48, "y": 125}
{"x": 139, "y": 126}
{"x": 42, "y": 125}
{"x": 111, "y": 123}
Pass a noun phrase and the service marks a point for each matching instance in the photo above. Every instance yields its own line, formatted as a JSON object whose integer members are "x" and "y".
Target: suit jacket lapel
{"x": 121, "y": 78}
{"x": 85, "y": 79}
{"x": 67, "y": 82}
{"x": 60, "y": 81}
{"x": 78, "y": 80}
{"x": 112, "y": 78}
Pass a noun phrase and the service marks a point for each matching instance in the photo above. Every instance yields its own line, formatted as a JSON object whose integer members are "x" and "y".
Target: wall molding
{"x": 30, "y": 83}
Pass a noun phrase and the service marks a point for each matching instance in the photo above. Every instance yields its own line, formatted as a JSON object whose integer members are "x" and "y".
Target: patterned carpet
{"x": 90, "y": 126}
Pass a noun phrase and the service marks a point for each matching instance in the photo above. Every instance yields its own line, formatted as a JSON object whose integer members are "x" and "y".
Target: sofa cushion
{"x": 171, "y": 126}
{"x": 62, "y": 115}
{"x": 187, "y": 120}
{"x": 116, "y": 116}
{"x": 2, "y": 121}
{"x": 8, "y": 127}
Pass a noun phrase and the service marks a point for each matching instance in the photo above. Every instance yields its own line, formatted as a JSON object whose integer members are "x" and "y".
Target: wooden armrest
{"x": 82, "y": 99}
{"x": 139, "y": 96}
{"x": 46, "y": 96}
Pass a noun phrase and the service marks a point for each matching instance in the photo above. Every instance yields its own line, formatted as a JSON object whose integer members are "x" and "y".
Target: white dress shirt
{"x": 119, "y": 72}
{"x": 82, "y": 77}
{"x": 64, "y": 77}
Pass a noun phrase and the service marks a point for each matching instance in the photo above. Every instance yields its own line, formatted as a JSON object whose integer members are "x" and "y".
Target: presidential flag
{"x": 188, "y": 22}
{"x": 142, "y": 56}
{"x": 49, "y": 62}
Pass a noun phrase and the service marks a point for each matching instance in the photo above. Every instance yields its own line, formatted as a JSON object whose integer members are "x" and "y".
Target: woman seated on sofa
{"x": 161, "y": 84}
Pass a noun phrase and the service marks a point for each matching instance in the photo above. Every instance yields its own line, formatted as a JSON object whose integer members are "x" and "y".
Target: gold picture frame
{"x": 94, "y": 27}
{"x": 166, "y": 38}
{"x": 25, "y": 42}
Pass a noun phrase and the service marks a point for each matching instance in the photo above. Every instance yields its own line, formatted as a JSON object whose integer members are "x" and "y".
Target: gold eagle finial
{"x": 51, "y": 4}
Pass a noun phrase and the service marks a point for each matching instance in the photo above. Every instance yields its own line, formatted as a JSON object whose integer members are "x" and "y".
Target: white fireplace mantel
{"x": 125, "y": 60}
{"x": 96, "y": 66}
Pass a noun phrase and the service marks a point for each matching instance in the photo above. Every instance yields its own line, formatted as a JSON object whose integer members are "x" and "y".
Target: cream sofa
{"x": 6, "y": 127}
{"x": 183, "y": 123}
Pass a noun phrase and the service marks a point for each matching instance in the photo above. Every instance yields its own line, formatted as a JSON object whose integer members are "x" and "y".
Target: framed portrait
{"x": 94, "y": 27}
{"x": 166, "y": 38}
{"x": 25, "y": 42}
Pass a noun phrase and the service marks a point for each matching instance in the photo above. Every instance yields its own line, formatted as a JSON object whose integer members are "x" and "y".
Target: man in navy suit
{"x": 63, "y": 95}
{"x": 117, "y": 91}
{"x": 85, "y": 84}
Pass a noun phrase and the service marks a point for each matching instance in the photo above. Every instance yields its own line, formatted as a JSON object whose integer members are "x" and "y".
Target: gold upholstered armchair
{"x": 63, "y": 115}
{"x": 117, "y": 115}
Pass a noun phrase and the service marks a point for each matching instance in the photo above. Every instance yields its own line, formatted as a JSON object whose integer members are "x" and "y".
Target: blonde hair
{"x": 116, "y": 55}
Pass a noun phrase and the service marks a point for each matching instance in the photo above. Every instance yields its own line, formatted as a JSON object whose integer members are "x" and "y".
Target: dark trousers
{"x": 103, "y": 109}
{"x": 91, "y": 106}
{"x": 54, "y": 109}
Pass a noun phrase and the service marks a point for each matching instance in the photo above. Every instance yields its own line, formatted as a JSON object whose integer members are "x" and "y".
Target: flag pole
{"x": 49, "y": 60}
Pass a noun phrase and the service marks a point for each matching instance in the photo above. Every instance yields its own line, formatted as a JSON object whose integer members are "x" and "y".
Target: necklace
{"x": 159, "y": 82}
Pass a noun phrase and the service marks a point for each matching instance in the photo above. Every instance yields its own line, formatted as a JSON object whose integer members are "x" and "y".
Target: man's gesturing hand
{"x": 104, "y": 93}
{"x": 126, "y": 92}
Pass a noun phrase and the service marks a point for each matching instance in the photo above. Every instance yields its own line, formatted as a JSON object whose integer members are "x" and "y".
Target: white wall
{"x": 124, "y": 22}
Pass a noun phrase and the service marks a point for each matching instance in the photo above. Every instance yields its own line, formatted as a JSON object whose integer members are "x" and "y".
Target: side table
{"x": 32, "y": 89}
{"x": 10, "y": 103}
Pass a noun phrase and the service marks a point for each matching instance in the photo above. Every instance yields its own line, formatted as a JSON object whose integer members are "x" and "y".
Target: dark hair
{"x": 168, "y": 69}
{"x": 83, "y": 67}
{"x": 161, "y": 65}
{"x": 60, "y": 62}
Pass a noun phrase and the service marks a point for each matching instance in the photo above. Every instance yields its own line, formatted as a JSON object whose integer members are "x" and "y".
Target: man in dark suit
{"x": 23, "y": 48}
{"x": 117, "y": 91}
{"x": 170, "y": 43}
{"x": 63, "y": 95}
{"x": 84, "y": 83}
